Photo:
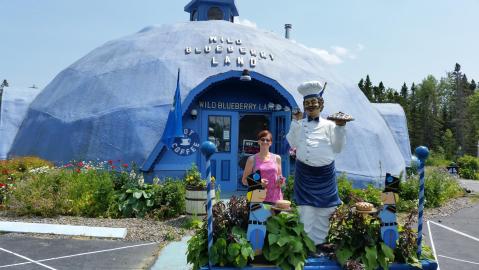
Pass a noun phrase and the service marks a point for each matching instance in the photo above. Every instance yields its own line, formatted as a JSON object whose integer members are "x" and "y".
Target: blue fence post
{"x": 422, "y": 153}
{"x": 208, "y": 148}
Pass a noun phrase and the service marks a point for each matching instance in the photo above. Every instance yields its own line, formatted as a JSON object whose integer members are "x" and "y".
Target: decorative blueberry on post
{"x": 208, "y": 148}
{"x": 422, "y": 153}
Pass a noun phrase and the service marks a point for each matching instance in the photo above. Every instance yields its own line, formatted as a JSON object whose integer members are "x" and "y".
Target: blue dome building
{"x": 113, "y": 103}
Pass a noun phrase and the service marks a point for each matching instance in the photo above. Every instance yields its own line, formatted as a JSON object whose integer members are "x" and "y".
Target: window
{"x": 219, "y": 132}
{"x": 215, "y": 13}
{"x": 194, "y": 15}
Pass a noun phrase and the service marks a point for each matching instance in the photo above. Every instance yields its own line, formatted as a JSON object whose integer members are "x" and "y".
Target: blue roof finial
{"x": 206, "y": 10}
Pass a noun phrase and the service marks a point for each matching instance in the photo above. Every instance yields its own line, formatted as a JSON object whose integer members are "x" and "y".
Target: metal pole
{"x": 208, "y": 148}
{"x": 422, "y": 153}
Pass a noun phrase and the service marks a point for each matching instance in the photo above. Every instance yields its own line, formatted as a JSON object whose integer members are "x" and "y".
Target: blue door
{"x": 280, "y": 123}
{"x": 221, "y": 128}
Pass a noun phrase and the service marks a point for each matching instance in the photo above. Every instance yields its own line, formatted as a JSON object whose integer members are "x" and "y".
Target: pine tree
{"x": 473, "y": 85}
{"x": 412, "y": 117}
{"x": 361, "y": 85}
{"x": 379, "y": 93}
{"x": 389, "y": 96}
{"x": 459, "y": 106}
{"x": 473, "y": 111}
{"x": 3, "y": 85}
{"x": 430, "y": 124}
{"x": 403, "y": 97}
{"x": 368, "y": 91}
{"x": 449, "y": 144}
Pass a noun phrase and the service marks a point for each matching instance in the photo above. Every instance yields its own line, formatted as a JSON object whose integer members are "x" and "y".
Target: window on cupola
{"x": 215, "y": 13}
{"x": 194, "y": 15}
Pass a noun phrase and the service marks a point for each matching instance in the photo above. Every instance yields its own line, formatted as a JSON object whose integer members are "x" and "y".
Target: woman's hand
{"x": 264, "y": 182}
{"x": 281, "y": 180}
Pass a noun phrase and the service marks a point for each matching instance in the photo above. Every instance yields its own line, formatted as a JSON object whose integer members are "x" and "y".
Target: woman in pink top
{"x": 269, "y": 165}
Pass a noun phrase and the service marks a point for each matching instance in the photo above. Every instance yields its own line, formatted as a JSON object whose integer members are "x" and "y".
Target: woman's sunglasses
{"x": 265, "y": 140}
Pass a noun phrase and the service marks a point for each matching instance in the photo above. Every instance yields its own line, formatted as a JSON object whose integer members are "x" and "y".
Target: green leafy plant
{"x": 288, "y": 190}
{"x": 228, "y": 235}
{"x": 357, "y": 238}
{"x": 235, "y": 251}
{"x": 406, "y": 251}
{"x": 287, "y": 244}
{"x": 193, "y": 223}
{"x": 197, "y": 250}
{"x": 137, "y": 201}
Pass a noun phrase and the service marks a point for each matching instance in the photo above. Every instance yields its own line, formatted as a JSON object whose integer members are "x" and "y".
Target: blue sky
{"x": 392, "y": 41}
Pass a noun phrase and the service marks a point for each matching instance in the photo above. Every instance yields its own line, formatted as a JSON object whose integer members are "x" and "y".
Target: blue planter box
{"x": 326, "y": 264}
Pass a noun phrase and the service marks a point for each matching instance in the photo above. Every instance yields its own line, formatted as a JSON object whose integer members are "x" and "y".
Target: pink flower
{"x": 124, "y": 165}
{"x": 110, "y": 162}
{"x": 80, "y": 164}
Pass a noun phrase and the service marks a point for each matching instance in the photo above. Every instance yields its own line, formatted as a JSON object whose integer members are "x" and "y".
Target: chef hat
{"x": 311, "y": 89}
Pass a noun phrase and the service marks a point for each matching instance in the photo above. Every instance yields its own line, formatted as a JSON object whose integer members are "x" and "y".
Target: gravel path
{"x": 137, "y": 229}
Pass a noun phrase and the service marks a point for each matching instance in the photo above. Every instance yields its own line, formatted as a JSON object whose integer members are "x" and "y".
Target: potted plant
{"x": 196, "y": 193}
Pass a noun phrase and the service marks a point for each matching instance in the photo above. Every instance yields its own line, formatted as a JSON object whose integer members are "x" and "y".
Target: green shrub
{"x": 437, "y": 159}
{"x": 439, "y": 186}
{"x": 170, "y": 199}
{"x": 42, "y": 194}
{"x": 468, "y": 167}
{"x": 91, "y": 193}
{"x": 347, "y": 193}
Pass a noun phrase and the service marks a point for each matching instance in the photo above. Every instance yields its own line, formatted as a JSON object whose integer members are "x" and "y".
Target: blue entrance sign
{"x": 187, "y": 145}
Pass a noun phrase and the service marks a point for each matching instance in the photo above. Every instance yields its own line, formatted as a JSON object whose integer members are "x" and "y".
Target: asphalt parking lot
{"x": 455, "y": 239}
{"x": 22, "y": 252}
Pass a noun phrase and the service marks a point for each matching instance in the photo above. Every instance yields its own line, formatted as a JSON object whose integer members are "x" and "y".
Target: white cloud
{"x": 327, "y": 57}
{"x": 341, "y": 51}
{"x": 245, "y": 22}
{"x": 337, "y": 54}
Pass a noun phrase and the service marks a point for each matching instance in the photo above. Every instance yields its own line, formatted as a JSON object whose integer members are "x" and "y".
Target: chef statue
{"x": 317, "y": 141}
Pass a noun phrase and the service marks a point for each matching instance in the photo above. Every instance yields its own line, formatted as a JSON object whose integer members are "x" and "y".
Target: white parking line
{"x": 456, "y": 231}
{"x": 79, "y": 254}
{"x": 432, "y": 245}
{"x": 459, "y": 260}
{"x": 28, "y": 259}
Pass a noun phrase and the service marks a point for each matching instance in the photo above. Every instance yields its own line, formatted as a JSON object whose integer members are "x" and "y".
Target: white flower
{"x": 141, "y": 180}
{"x": 133, "y": 174}
{"x": 39, "y": 170}
{"x": 156, "y": 180}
